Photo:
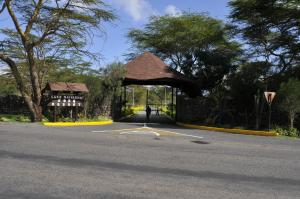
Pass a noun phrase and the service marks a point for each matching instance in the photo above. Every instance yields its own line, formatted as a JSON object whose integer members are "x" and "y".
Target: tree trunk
{"x": 35, "y": 112}
{"x": 292, "y": 118}
{"x": 34, "y": 108}
{"x": 33, "y": 99}
{"x": 258, "y": 106}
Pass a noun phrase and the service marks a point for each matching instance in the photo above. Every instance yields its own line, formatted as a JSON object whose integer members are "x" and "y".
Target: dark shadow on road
{"x": 12, "y": 194}
{"x": 141, "y": 118}
{"x": 293, "y": 184}
{"x": 200, "y": 142}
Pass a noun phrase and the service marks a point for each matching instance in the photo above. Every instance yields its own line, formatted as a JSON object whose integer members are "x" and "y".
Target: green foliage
{"x": 193, "y": 44}
{"x": 291, "y": 132}
{"x": 14, "y": 118}
{"x": 246, "y": 83}
{"x": 272, "y": 28}
{"x": 95, "y": 119}
{"x": 114, "y": 74}
{"x": 127, "y": 112}
{"x": 8, "y": 86}
{"x": 103, "y": 88}
{"x": 44, "y": 35}
{"x": 130, "y": 110}
{"x": 290, "y": 92}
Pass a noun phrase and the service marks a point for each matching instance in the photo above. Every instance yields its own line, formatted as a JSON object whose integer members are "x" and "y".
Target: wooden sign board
{"x": 66, "y": 100}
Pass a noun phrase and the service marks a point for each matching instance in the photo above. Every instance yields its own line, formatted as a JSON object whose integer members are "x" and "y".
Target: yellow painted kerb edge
{"x": 235, "y": 131}
{"x": 95, "y": 123}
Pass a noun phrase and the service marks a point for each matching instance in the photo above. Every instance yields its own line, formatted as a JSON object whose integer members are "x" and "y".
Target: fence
{"x": 13, "y": 104}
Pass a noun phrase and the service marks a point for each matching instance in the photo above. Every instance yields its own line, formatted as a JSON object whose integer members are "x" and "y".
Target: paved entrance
{"x": 141, "y": 118}
{"x": 145, "y": 130}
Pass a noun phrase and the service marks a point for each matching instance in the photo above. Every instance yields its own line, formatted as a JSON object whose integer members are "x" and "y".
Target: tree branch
{"x": 50, "y": 29}
{"x": 15, "y": 20}
{"x": 2, "y": 8}
{"x": 33, "y": 17}
{"x": 13, "y": 67}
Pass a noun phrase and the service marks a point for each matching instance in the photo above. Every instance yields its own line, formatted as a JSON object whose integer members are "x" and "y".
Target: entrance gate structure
{"x": 148, "y": 69}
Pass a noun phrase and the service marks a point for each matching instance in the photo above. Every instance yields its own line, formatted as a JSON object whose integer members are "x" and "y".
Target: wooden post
{"x": 54, "y": 114}
{"x": 147, "y": 102}
{"x": 76, "y": 113}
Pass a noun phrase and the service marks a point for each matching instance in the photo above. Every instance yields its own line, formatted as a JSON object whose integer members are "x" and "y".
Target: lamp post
{"x": 269, "y": 97}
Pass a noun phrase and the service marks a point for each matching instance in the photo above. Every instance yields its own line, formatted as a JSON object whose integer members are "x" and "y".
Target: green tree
{"x": 246, "y": 90}
{"x": 8, "y": 86}
{"x": 112, "y": 86}
{"x": 65, "y": 25}
{"x": 290, "y": 92}
{"x": 271, "y": 29}
{"x": 194, "y": 44}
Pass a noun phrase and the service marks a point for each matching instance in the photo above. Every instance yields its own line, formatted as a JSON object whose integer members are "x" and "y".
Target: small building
{"x": 64, "y": 100}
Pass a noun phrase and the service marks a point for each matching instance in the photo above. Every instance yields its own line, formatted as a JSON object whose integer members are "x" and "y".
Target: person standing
{"x": 148, "y": 113}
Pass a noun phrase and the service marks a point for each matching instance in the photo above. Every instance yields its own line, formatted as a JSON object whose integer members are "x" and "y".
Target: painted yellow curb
{"x": 235, "y": 131}
{"x": 78, "y": 123}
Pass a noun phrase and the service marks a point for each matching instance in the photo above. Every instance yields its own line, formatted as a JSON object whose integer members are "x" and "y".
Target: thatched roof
{"x": 148, "y": 69}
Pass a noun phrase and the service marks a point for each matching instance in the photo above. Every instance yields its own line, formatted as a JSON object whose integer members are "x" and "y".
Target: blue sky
{"x": 134, "y": 14}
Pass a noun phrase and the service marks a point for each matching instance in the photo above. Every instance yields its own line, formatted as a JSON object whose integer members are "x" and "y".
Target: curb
{"x": 234, "y": 131}
{"x": 99, "y": 123}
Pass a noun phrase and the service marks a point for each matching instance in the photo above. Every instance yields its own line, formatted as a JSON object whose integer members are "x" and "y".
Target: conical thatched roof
{"x": 148, "y": 69}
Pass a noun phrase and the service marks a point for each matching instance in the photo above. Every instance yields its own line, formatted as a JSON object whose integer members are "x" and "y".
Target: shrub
{"x": 127, "y": 112}
{"x": 291, "y": 132}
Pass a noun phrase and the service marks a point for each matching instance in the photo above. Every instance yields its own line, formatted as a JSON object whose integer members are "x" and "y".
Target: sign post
{"x": 269, "y": 97}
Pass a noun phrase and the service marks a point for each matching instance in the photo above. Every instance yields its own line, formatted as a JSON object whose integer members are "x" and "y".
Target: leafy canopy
{"x": 193, "y": 44}
{"x": 271, "y": 28}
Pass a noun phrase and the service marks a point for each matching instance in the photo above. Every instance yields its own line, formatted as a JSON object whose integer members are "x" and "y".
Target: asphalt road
{"x": 132, "y": 161}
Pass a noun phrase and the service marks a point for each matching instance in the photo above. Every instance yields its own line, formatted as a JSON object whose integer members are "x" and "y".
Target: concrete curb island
{"x": 225, "y": 130}
{"x": 93, "y": 123}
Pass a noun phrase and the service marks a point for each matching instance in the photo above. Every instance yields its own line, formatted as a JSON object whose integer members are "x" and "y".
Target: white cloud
{"x": 173, "y": 10}
{"x": 138, "y": 9}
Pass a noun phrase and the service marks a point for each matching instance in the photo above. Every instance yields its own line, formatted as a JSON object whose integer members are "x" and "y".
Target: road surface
{"x": 131, "y": 161}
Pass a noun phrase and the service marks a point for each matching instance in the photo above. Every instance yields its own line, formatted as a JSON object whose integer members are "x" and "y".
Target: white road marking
{"x": 115, "y": 130}
{"x": 140, "y": 131}
{"x": 194, "y": 136}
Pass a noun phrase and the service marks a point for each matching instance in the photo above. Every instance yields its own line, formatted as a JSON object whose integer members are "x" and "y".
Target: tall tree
{"x": 194, "y": 44}
{"x": 271, "y": 28}
{"x": 246, "y": 91}
{"x": 290, "y": 92}
{"x": 64, "y": 25}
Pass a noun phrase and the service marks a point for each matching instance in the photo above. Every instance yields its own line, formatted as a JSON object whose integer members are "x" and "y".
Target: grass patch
{"x": 96, "y": 119}
{"x": 83, "y": 119}
{"x": 13, "y": 118}
{"x": 132, "y": 110}
{"x": 137, "y": 109}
